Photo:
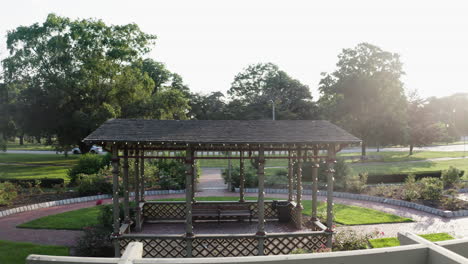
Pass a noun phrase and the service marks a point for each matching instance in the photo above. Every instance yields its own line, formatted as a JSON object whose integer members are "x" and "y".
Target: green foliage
{"x": 170, "y": 174}
{"x": 87, "y": 164}
{"x": 82, "y": 70}
{"x": 8, "y": 192}
{"x": 254, "y": 89}
{"x": 250, "y": 177}
{"x": 411, "y": 190}
{"x": 356, "y": 183}
{"x": 95, "y": 242}
{"x": 351, "y": 240}
{"x": 431, "y": 188}
{"x": 451, "y": 176}
{"x": 365, "y": 94}
{"x": 92, "y": 184}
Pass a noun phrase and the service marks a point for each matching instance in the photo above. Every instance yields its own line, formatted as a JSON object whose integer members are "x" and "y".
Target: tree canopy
{"x": 365, "y": 94}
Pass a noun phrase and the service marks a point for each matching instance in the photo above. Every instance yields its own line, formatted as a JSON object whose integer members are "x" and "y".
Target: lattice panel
{"x": 161, "y": 211}
{"x": 285, "y": 245}
{"x": 158, "y": 247}
{"x": 270, "y": 213}
{"x": 224, "y": 247}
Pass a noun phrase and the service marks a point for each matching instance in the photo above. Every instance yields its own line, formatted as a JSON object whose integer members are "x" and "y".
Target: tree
{"x": 75, "y": 74}
{"x": 365, "y": 95}
{"x": 208, "y": 107}
{"x": 422, "y": 128}
{"x": 260, "y": 85}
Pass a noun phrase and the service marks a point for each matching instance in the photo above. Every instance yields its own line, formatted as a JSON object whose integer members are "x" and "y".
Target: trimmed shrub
{"x": 8, "y": 192}
{"x": 93, "y": 184}
{"x": 411, "y": 190}
{"x": 43, "y": 182}
{"x": 170, "y": 174}
{"x": 356, "y": 183}
{"x": 351, "y": 240}
{"x": 431, "y": 188}
{"x": 451, "y": 176}
{"x": 250, "y": 177}
{"x": 88, "y": 164}
{"x": 95, "y": 242}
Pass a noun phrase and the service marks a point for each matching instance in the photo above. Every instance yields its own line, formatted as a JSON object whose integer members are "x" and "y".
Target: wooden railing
{"x": 179, "y": 246}
{"x": 155, "y": 210}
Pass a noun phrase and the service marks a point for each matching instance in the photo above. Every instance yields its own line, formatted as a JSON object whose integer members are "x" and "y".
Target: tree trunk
{"x": 21, "y": 139}
{"x": 378, "y": 147}
{"x": 84, "y": 148}
{"x": 411, "y": 146}
{"x": 363, "y": 150}
{"x": 38, "y": 139}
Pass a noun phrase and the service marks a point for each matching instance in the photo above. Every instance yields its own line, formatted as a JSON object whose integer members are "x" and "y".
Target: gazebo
{"x": 188, "y": 140}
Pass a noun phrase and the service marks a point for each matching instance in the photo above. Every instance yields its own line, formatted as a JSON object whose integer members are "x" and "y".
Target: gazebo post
{"x": 315, "y": 167}
{"x": 126, "y": 187}
{"x": 194, "y": 173}
{"x": 142, "y": 175}
{"x": 290, "y": 176}
{"x": 137, "y": 192}
{"x": 241, "y": 178}
{"x": 188, "y": 194}
{"x": 330, "y": 172}
{"x": 115, "y": 199}
{"x": 261, "y": 199}
{"x": 299, "y": 206}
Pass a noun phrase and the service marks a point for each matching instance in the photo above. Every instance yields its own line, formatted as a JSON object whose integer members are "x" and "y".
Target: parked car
{"x": 94, "y": 150}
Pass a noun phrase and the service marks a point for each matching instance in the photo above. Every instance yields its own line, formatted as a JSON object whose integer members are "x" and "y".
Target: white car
{"x": 93, "y": 150}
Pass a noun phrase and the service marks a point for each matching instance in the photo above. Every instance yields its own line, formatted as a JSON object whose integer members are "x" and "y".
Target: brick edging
{"x": 31, "y": 207}
{"x": 354, "y": 196}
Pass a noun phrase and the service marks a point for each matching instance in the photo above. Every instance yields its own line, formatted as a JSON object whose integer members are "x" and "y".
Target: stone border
{"x": 31, "y": 207}
{"x": 353, "y": 196}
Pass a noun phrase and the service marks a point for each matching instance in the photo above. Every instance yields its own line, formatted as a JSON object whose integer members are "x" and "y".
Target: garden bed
{"x": 24, "y": 199}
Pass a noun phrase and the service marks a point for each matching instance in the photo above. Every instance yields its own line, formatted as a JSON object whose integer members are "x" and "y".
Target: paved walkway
{"x": 424, "y": 223}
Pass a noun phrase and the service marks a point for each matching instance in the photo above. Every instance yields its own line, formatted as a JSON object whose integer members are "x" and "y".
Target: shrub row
{"x": 43, "y": 183}
{"x": 401, "y": 177}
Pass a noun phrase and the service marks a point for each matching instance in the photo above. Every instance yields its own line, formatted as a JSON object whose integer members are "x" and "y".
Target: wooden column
{"x": 194, "y": 178}
{"x": 142, "y": 176}
{"x": 126, "y": 187}
{"x": 241, "y": 178}
{"x": 188, "y": 192}
{"x": 330, "y": 172}
{"x": 261, "y": 192}
{"x": 290, "y": 176}
{"x": 115, "y": 198}
{"x": 315, "y": 167}
{"x": 136, "y": 188}
{"x": 299, "y": 206}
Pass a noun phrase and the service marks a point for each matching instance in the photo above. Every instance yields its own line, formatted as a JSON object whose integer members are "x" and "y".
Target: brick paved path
{"x": 424, "y": 223}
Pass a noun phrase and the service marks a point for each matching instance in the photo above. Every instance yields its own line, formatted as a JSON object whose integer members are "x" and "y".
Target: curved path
{"x": 424, "y": 223}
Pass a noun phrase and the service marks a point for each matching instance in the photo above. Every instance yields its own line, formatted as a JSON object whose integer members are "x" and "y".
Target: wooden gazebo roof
{"x": 220, "y": 132}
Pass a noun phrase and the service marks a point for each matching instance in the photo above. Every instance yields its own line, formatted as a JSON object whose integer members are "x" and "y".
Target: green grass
{"x": 42, "y": 159}
{"x": 28, "y": 146}
{"x": 72, "y": 220}
{"x": 33, "y": 172}
{"x": 344, "y": 214}
{"x": 16, "y": 252}
{"x": 399, "y": 156}
{"x": 393, "y": 241}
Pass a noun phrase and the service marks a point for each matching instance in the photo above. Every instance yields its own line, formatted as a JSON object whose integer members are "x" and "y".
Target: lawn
{"x": 35, "y": 166}
{"x": 344, "y": 214}
{"x": 42, "y": 159}
{"x": 398, "y": 156}
{"x": 28, "y": 146}
{"x": 393, "y": 241}
{"x": 72, "y": 220}
{"x": 16, "y": 252}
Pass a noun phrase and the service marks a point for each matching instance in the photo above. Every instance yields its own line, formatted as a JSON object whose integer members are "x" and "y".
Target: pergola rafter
{"x": 294, "y": 140}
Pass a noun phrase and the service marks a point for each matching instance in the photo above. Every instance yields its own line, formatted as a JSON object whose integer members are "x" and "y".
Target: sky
{"x": 209, "y": 41}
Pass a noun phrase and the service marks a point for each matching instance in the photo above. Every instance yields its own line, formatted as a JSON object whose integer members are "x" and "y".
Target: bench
{"x": 239, "y": 211}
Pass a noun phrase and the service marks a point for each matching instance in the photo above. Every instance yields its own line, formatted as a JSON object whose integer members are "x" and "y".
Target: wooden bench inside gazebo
{"x": 295, "y": 140}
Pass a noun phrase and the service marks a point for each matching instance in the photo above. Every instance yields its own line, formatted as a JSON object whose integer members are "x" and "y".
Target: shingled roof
{"x": 221, "y": 131}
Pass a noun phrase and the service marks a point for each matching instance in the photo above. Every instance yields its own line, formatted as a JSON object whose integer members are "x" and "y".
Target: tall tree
{"x": 260, "y": 85}
{"x": 208, "y": 107}
{"x": 423, "y": 129}
{"x": 76, "y": 74}
{"x": 365, "y": 95}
